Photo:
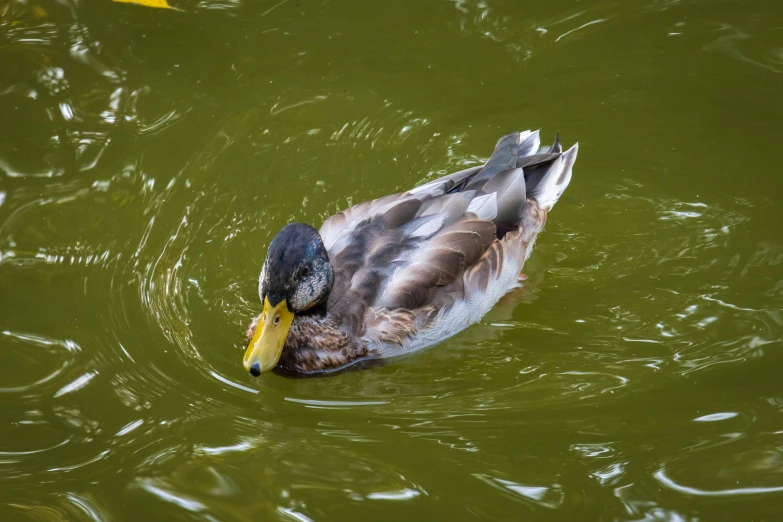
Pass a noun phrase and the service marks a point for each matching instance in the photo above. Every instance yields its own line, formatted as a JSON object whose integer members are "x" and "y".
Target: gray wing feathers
{"x": 336, "y": 230}
{"x": 484, "y": 206}
{"x": 529, "y": 142}
{"x": 424, "y": 227}
{"x": 513, "y": 151}
{"x": 509, "y": 188}
{"x": 402, "y": 258}
{"x": 503, "y": 158}
{"x": 437, "y": 262}
{"x": 446, "y": 183}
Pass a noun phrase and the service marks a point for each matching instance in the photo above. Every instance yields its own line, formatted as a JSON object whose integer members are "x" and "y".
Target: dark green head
{"x": 296, "y": 269}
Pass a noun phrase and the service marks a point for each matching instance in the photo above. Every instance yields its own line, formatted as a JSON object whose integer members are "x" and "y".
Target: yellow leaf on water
{"x": 159, "y": 4}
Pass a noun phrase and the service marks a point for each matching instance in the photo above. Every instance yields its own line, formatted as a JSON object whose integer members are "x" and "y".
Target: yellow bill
{"x": 265, "y": 347}
{"x": 160, "y": 4}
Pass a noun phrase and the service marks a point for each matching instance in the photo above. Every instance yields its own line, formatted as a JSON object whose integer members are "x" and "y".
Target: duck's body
{"x": 407, "y": 270}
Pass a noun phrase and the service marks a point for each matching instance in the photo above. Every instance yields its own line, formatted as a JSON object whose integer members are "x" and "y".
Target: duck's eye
{"x": 305, "y": 272}
{"x": 277, "y": 320}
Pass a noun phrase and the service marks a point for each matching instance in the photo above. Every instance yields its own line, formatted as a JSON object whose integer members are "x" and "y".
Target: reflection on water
{"x": 148, "y": 156}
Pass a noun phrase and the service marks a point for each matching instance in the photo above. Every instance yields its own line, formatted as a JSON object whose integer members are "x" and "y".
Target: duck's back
{"x": 415, "y": 267}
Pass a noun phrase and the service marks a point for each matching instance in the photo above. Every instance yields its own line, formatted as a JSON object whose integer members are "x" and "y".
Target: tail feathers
{"x": 547, "y": 172}
{"x": 547, "y": 182}
{"x": 529, "y": 142}
{"x": 509, "y": 150}
{"x": 556, "y": 147}
{"x": 504, "y": 157}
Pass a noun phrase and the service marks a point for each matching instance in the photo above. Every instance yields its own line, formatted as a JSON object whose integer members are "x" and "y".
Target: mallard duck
{"x": 405, "y": 271}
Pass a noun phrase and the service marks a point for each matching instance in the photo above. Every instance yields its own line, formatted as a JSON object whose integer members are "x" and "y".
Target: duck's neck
{"x": 317, "y": 311}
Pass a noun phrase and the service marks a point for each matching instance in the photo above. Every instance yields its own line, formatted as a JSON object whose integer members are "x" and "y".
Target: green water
{"x": 148, "y": 156}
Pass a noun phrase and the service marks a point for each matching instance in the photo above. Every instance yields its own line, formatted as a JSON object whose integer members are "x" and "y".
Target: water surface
{"x": 148, "y": 156}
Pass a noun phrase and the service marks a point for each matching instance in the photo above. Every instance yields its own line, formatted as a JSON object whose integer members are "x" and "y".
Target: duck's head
{"x": 295, "y": 278}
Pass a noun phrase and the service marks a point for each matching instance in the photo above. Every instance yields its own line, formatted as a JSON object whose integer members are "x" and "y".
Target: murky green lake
{"x": 148, "y": 156}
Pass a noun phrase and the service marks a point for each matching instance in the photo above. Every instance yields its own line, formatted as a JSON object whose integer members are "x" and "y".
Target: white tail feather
{"x": 552, "y": 184}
